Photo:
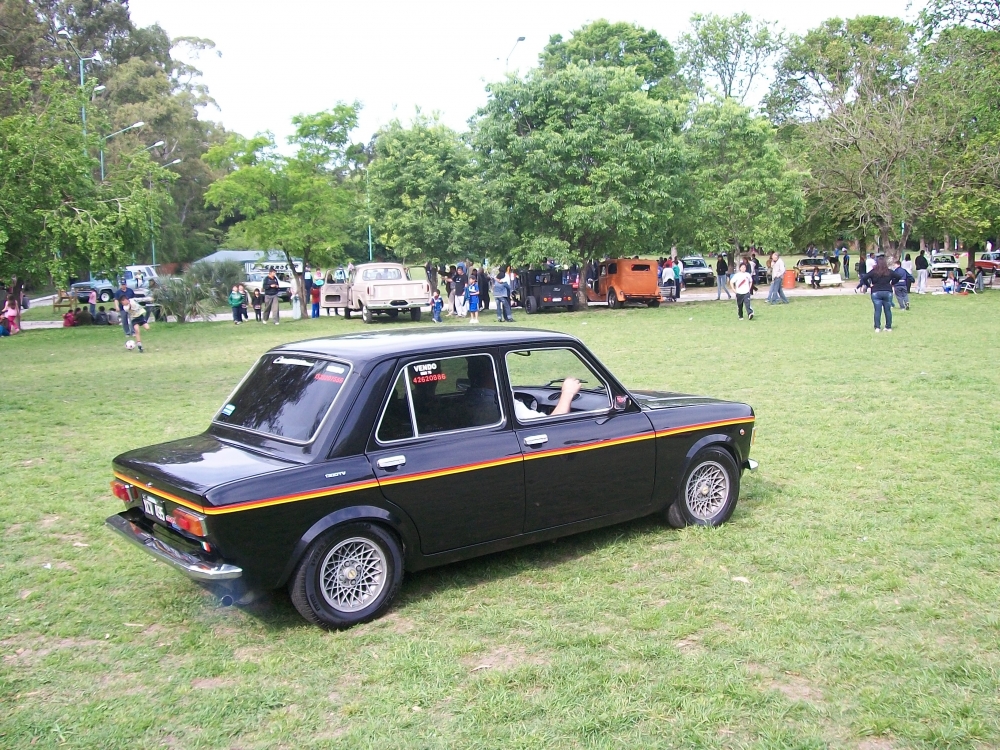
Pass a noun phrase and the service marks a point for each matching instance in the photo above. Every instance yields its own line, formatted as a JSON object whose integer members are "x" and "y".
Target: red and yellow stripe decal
{"x": 373, "y": 483}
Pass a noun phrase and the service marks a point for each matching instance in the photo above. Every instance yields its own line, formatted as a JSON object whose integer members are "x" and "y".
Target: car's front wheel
{"x": 710, "y": 489}
{"x": 349, "y": 575}
{"x": 415, "y": 314}
{"x": 104, "y": 296}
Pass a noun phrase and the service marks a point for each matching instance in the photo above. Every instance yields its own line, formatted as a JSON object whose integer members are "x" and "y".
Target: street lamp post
{"x": 96, "y": 57}
{"x": 368, "y": 206}
{"x": 507, "y": 61}
{"x": 133, "y": 126}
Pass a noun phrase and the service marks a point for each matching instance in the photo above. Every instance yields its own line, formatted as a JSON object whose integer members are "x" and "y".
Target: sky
{"x": 279, "y": 59}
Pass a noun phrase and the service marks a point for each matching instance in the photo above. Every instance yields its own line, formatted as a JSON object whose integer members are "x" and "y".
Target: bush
{"x": 217, "y": 279}
{"x": 183, "y": 298}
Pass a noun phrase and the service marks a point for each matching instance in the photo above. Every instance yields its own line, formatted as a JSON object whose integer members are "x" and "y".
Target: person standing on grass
{"x": 271, "y": 300}
{"x": 501, "y": 293}
{"x": 236, "y": 303}
{"x": 847, "y": 264}
{"x": 742, "y": 285}
{"x": 92, "y": 302}
{"x": 314, "y": 299}
{"x": 244, "y": 312}
{"x": 122, "y": 296}
{"x": 922, "y": 267}
{"x": 472, "y": 292}
{"x": 460, "y": 281}
{"x": 722, "y": 278}
{"x": 678, "y": 270}
{"x": 901, "y": 281}
{"x": 257, "y": 303}
{"x": 776, "y": 293}
{"x": 880, "y": 279}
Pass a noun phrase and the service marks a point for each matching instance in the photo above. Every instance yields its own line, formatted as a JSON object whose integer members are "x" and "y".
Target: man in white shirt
{"x": 776, "y": 294}
{"x": 570, "y": 387}
{"x": 742, "y": 283}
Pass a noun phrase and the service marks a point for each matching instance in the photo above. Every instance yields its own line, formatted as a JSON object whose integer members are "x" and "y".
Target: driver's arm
{"x": 570, "y": 387}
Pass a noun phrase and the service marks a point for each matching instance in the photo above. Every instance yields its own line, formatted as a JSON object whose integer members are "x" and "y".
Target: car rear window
{"x": 640, "y": 267}
{"x": 285, "y": 395}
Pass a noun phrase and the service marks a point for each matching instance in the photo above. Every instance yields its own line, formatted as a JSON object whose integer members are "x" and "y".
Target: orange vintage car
{"x": 624, "y": 280}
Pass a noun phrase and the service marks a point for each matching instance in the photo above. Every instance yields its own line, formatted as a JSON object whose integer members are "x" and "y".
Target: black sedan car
{"x": 338, "y": 463}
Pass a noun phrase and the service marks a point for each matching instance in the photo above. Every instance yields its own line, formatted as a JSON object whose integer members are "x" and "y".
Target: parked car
{"x": 338, "y": 463}
{"x": 697, "y": 271}
{"x": 942, "y": 263}
{"x": 335, "y": 290}
{"x": 805, "y": 268}
{"x": 140, "y": 279}
{"x": 625, "y": 280}
{"x": 989, "y": 263}
{"x": 255, "y": 280}
{"x": 546, "y": 289}
{"x": 385, "y": 289}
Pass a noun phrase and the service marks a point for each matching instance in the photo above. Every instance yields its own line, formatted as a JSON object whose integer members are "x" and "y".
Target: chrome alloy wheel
{"x": 353, "y": 574}
{"x": 707, "y": 490}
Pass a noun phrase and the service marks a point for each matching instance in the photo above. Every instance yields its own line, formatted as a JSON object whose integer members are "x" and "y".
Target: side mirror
{"x": 621, "y": 403}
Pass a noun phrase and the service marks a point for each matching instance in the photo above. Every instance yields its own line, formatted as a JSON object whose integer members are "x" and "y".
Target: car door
{"x": 444, "y": 451}
{"x": 593, "y": 461}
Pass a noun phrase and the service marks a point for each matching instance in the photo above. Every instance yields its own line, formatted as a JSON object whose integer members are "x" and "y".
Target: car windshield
{"x": 944, "y": 258}
{"x": 693, "y": 263}
{"x": 286, "y": 396}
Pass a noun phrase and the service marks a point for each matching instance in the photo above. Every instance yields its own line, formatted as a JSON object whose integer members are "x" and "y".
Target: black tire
{"x": 530, "y": 305}
{"x": 104, "y": 296}
{"x": 366, "y": 314}
{"x": 376, "y": 571}
{"x": 713, "y": 472}
{"x": 613, "y": 302}
{"x": 347, "y": 313}
{"x": 653, "y": 303}
{"x": 415, "y": 314}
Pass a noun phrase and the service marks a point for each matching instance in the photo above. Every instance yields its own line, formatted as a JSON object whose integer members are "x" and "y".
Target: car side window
{"x": 441, "y": 395}
{"x": 537, "y": 376}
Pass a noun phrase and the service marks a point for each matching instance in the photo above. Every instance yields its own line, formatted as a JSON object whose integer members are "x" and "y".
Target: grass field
{"x": 851, "y": 602}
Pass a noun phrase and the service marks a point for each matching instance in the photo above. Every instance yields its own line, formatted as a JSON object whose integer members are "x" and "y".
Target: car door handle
{"x": 390, "y": 462}
{"x": 533, "y": 440}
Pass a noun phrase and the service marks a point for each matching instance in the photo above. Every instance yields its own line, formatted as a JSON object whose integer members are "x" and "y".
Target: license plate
{"x": 557, "y": 299}
{"x": 153, "y": 508}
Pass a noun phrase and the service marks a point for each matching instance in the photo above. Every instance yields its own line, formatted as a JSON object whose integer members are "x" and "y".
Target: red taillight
{"x": 189, "y": 521}
{"x": 122, "y": 491}
{"x": 576, "y": 284}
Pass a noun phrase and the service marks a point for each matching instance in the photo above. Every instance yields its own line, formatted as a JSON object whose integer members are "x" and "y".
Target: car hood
{"x": 669, "y": 399}
{"x": 194, "y": 465}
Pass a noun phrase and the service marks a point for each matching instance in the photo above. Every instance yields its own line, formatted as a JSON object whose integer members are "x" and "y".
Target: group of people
{"x": 85, "y": 316}
{"x": 469, "y": 292}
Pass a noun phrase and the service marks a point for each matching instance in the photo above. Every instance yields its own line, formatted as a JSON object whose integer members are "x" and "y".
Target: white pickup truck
{"x": 385, "y": 288}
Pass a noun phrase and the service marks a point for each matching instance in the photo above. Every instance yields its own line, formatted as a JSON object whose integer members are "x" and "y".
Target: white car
{"x": 697, "y": 271}
{"x": 941, "y": 263}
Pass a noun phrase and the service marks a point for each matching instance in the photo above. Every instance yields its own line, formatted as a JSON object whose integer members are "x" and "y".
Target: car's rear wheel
{"x": 349, "y": 575}
{"x": 710, "y": 488}
{"x": 366, "y": 314}
{"x": 530, "y": 305}
{"x": 104, "y": 296}
{"x": 613, "y": 302}
{"x": 415, "y": 314}
{"x": 653, "y": 303}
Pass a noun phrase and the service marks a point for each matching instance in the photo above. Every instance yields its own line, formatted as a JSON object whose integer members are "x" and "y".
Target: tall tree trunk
{"x": 947, "y": 243}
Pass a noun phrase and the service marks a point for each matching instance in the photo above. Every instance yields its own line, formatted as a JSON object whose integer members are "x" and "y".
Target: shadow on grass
{"x": 274, "y": 609}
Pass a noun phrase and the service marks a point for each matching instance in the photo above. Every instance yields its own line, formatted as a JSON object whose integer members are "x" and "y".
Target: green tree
{"x": 581, "y": 162}
{"x": 416, "y": 187}
{"x": 743, "y": 189}
{"x": 728, "y": 54}
{"x": 617, "y": 45}
{"x": 884, "y": 128}
{"x": 56, "y": 218}
{"x": 301, "y": 204}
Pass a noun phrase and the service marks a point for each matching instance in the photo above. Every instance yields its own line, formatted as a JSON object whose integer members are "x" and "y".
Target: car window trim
{"x": 548, "y": 417}
{"x": 417, "y": 435}
{"x": 271, "y": 435}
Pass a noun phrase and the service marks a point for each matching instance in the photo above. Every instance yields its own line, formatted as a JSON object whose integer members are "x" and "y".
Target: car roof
{"x": 376, "y": 345}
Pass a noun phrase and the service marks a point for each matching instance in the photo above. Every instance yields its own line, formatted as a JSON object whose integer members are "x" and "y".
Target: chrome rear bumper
{"x": 188, "y": 564}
